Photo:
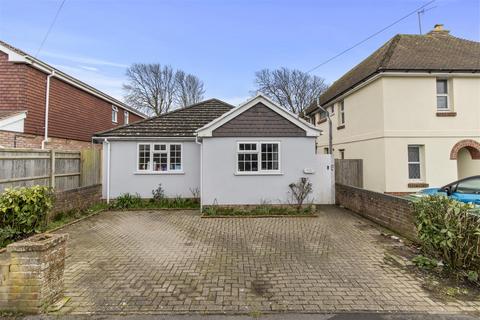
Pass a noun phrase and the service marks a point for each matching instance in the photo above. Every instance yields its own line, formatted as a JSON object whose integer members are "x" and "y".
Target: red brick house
{"x": 43, "y": 107}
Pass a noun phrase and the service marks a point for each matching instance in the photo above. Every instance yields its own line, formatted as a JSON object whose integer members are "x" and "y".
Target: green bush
{"x": 23, "y": 212}
{"x": 128, "y": 201}
{"x": 449, "y": 231}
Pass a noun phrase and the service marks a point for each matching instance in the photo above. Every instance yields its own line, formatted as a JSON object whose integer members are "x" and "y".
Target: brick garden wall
{"x": 76, "y": 199}
{"x": 10, "y": 139}
{"x": 31, "y": 276}
{"x": 389, "y": 211}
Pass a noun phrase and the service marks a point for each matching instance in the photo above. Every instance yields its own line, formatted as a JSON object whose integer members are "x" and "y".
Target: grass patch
{"x": 62, "y": 218}
{"x": 264, "y": 210}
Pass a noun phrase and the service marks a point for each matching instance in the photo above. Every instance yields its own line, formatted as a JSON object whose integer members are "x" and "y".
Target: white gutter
{"x": 47, "y": 105}
{"x": 108, "y": 171}
{"x": 201, "y": 172}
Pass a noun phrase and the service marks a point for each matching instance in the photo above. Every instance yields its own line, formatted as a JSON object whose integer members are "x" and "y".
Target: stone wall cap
{"x": 39, "y": 242}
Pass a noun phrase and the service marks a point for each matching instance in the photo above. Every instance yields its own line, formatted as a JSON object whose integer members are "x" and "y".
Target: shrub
{"x": 127, "y": 201}
{"x": 23, "y": 212}
{"x": 448, "y": 231}
{"x": 425, "y": 262}
{"x": 159, "y": 193}
{"x": 300, "y": 191}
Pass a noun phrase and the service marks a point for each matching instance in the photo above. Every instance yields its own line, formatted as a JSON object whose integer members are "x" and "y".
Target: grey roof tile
{"x": 181, "y": 122}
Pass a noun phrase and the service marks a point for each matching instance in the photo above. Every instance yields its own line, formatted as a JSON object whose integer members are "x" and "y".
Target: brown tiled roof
{"x": 83, "y": 84}
{"x": 177, "y": 123}
{"x": 436, "y": 51}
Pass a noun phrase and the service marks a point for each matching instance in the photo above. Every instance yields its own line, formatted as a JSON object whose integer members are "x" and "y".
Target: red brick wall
{"x": 74, "y": 114}
{"x": 10, "y": 139}
{"x": 12, "y": 84}
{"x": 391, "y": 212}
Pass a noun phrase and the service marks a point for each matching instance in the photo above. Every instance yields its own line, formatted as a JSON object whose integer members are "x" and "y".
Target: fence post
{"x": 52, "y": 168}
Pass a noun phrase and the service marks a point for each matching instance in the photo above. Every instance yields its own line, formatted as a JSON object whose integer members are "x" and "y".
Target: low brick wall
{"x": 389, "y": 211}
{"x": 32, "y": 273}
{"x": 76, "y": 199}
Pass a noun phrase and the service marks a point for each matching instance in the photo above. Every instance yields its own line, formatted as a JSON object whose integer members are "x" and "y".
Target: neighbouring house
{"x": 41, "y": 106}
{"x": 411, "y": 111}
{"x": 229, "y": 156}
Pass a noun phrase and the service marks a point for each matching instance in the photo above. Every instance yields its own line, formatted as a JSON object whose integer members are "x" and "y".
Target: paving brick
{"x": 175, "y": 261}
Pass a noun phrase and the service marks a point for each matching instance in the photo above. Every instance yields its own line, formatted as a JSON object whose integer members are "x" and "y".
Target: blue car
{"x": 465, "y": 190}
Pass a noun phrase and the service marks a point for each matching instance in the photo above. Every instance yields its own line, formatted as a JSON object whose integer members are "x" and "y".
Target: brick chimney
{"x": 438, "y": 30}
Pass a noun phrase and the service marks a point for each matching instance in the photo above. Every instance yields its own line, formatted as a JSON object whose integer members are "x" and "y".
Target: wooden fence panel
{"x": 349, "y": 172}
{"x": 91, "y": 167}
{"x": 70, "y": 169}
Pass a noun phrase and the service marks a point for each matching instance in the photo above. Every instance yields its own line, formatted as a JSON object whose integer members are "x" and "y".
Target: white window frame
{"x": 447, "y": 86}
{"x": 150, "y": 170}
{"x": 420, "y": 163}
{"x": 126, "y": 117}
{"x": 114, "y": 114}
{"x": 341, "y": 113}
{"x": 259, "y": 158}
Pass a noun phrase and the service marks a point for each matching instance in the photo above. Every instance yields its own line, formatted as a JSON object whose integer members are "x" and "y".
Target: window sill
{"x": 158, "y": 172}
{"x": 418, "y": 185}
{"x": 322, "y": 121}
{"x": 446, "y": 114}
{"x": 258, "y": 174}
{"x": 341, "y": 127}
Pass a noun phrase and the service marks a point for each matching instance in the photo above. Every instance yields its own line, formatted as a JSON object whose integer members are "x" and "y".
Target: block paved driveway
{"x": 175, "y": 261}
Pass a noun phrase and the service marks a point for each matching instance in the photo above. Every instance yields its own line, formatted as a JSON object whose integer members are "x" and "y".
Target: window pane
{"x": 143, "y": 156}
{"x": 160, "y": 162}
{"x": 442, "y": 102}
{"x": 269, "y": 156}
{"x": 247, "y": 147}
{"x": 469, "y": 186}
{"x": 247, "y": 162}
{"x": 414, "y": 170}
{"x": 175, "y": 157}
{"x": 442, "y": 87}
{"x": 413, "y": 154}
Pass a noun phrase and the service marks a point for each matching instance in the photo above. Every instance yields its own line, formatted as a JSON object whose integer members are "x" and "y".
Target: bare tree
{"x": 151, "y": 88}
{"x": 189, "y": 89}
{"x": 293, "y": 89}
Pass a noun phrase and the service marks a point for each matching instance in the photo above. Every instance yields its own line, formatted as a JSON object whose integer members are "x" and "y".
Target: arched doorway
{"x": 467, "y": 154}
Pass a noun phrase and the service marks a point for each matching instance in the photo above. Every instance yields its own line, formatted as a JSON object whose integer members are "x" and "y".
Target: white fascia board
{"x": 139, "y": 138}
{"x": 207, "y": 130}
{"x": 42, "y": 66}
{"x": 12, "y": 119}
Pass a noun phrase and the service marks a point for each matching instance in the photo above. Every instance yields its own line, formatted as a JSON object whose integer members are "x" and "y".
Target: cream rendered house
{"x": 411, "y": 111}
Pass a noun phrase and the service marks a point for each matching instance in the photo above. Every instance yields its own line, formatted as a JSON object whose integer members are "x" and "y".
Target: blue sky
{"x": 222, "y": 42}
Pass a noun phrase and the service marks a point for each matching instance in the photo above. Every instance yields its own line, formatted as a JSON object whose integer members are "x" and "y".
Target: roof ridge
{"x": 389, "y": 52}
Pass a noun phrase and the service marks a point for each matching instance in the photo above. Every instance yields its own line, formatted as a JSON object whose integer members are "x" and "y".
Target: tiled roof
{"x": 436, "y": 51}
{"x": 177, "y": 123}
{"x": 84, "y": 85}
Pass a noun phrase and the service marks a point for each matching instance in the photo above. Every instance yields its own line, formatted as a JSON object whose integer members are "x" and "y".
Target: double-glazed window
{"x": 261, "y": 157}
{"x": 159, "y": 157}
{"x": 415, "y": 162}
{"x": 442, "y": 94}
{"x": 126, "y": 117}
{"x": 114, "y": 114}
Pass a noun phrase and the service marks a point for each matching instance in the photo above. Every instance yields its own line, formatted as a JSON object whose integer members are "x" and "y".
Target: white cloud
{"x": 89, "y": 68}
{"x": 82, "y": 59}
